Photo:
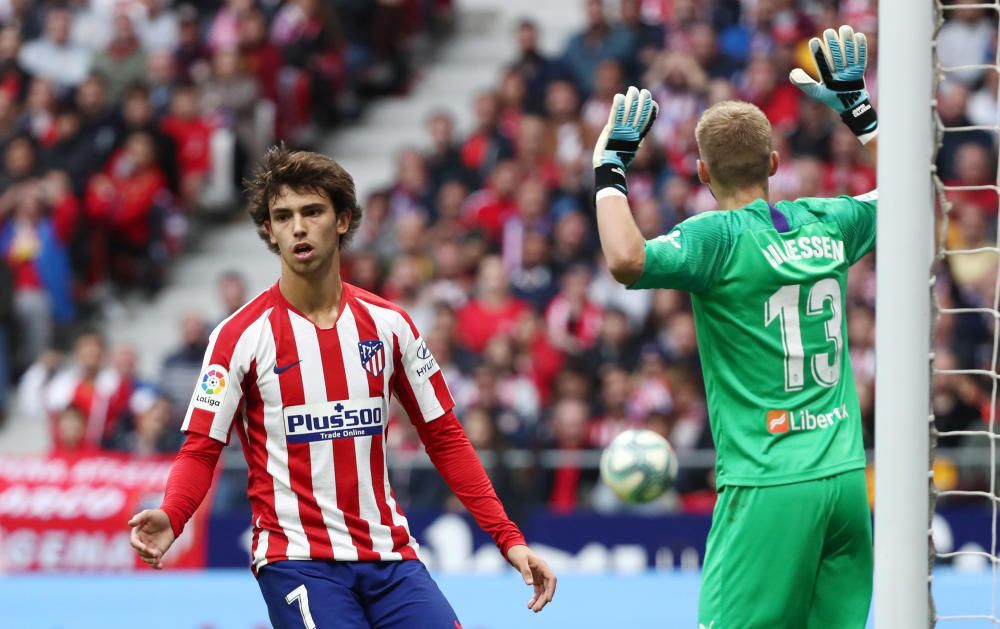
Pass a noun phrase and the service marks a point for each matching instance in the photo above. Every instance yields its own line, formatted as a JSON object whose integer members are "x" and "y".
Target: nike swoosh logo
{"x": 280, "y": 370}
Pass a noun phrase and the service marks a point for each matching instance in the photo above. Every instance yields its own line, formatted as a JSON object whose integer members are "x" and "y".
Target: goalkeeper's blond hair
{"x": 734, "y": 142}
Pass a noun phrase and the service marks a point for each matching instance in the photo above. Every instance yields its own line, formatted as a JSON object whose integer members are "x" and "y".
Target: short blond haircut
{"x": 734, "y": 141}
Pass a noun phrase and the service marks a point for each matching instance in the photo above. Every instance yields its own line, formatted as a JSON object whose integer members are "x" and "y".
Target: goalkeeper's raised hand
{"x": 841, "y": 59}
{"x": 632, "y": 114}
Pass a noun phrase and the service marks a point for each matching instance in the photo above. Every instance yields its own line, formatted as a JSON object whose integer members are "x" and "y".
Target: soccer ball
{"x": 639, "y": 465}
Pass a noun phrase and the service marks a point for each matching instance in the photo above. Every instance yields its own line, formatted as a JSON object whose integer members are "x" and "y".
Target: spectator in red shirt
{"x": 261, "y": 58}
{"x": 139, "y": 114}
{"x": 486, "y": 145}
{"x": 13, "y": 80}
{"x": 569, "y": 481}
{"x": 123, "y": 201}
{"x": 192, "y": 133}
{"x": 492, "y": 311}
{"x": 118, "y": 383}
{"x": 309, "y": 34}
{"x": 511, "y": 93}
{"x": 540, "y": 360}
{"x": 974, "y": 167}
{"x": 68, "y": 438}
{"x": 76, "y": 385}
{"x": 149, "y": 432}
{"x": 488, "y": 209}
{"x": 572, "y": 320}
{"x": 779, "y": 100}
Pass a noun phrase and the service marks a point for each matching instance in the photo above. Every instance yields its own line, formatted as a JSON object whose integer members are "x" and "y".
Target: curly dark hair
{"x": 301, "y": 171}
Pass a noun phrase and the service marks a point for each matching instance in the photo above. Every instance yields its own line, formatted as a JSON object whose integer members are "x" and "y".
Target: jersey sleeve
{"x": 218, "y": 393}
{"x": 190, "y": 478}
{"x": 857, "y": 218}
{"x": 454, "y": 457}
{"x": 688, "y": 257}
{"x": 418, "y": 382}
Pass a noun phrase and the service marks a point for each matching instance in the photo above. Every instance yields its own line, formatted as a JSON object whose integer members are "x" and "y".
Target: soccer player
{"x": 304, "y": 373}
{"x": 790, "y": 544}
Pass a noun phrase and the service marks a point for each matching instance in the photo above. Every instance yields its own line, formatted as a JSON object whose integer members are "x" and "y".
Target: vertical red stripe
{"x": 299, "y": 457}
{"x": 345, "y": 464}
{"x": 401, "y": 385}
{"x": 260, "y": 484}
{"x": 406, "y": 551}
{"x": 376, "y": 388}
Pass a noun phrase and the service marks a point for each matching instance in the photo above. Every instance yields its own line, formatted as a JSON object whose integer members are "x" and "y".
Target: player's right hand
{"x": 632, "y": 114}
{"x": 151, "y": 536}
{"x": 841, "y": 59}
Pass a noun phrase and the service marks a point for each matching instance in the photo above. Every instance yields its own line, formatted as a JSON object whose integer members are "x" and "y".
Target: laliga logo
{"x": 213, "y": 382}
{"x": 212, "y": 385}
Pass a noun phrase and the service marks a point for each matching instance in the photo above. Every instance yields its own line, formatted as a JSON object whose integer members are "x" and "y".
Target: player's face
{"x": 306, "y": 229}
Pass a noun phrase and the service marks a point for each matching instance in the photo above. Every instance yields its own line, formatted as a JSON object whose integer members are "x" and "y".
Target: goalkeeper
{"x": 790, "y": 544}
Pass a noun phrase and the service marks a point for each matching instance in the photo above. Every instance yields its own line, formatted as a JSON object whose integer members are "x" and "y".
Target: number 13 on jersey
{"x": 783, "y": 306}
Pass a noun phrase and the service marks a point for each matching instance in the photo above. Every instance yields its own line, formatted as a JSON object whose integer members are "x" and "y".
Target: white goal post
{"x": 902, "y": 338}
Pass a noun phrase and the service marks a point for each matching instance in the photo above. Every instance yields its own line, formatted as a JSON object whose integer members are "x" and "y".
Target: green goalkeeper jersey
{"x": 769, "y": 308}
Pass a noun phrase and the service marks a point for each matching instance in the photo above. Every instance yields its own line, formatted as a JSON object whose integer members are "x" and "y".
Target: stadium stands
{"x": 485, "y": 232}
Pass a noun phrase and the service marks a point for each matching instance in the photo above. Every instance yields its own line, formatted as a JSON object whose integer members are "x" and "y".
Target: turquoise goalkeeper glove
{"x": 632, "y": 115}
{"x": 841, "y": 60}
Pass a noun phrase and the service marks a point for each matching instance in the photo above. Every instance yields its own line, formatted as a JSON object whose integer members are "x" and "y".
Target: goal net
{"x": 965, "y": 311}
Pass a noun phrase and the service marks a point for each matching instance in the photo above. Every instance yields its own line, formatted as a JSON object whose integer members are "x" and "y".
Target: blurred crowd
{"x": 126, "y": 126}
{"x": 486, "y": 236}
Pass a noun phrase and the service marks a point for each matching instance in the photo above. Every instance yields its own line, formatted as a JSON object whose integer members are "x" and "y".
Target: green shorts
{"x": 795, "y": 556}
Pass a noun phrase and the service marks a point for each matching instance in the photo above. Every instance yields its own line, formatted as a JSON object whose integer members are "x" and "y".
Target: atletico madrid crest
{"x": 372, "y": 356}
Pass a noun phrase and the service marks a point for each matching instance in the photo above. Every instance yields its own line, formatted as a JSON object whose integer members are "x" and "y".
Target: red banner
{"x": 69, "y": 513}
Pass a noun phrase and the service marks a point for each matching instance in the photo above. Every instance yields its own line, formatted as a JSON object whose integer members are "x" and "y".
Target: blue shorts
{"x": 349, "y": 595}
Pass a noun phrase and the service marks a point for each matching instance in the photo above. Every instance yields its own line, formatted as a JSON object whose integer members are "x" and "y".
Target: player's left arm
{"x": 456, "y": 460}
{"x": 632, "y": 115}
{"x": 419, "y": 385}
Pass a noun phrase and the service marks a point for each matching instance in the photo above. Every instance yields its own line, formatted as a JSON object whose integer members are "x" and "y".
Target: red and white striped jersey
{"x": 310, "y": 407}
